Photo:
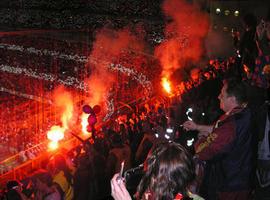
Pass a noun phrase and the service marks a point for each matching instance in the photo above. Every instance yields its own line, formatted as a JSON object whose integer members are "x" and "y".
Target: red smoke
{"x": 108, "y": 47}
{"x": 63, "y": 100}
{"x": 110, "y": 43}
{"x": 184, "y": 35}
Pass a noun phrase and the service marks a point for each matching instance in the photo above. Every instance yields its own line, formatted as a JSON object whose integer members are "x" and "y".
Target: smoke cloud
{"x": 109, "y": 45}
{"x": 185, "y": 31}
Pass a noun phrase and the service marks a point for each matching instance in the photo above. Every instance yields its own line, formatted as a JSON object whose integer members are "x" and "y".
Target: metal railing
{"x": 23, "y": 169}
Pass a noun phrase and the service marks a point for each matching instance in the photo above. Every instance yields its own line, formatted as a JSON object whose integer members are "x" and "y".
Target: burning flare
{"x": 53, "y": 145}
{"x": 246, "y": 69}
{"x": 55, "y": 134}
{"x": 166, "y": 85}
{"x": 63, "y": 102}
{"x": 84, "y": 123}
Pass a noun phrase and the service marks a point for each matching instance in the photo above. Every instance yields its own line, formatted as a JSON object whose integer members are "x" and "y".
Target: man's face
{"x": 225, "y": 100}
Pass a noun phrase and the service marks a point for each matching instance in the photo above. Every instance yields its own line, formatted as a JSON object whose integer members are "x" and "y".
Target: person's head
{"x": 122, "y": 127}
{"x": 60, "y": 162}
{"x": 266, "y": 72}
{"x": 170, "y": 170}
{"x": 250, "y": 21}
{"x": 13, "y": 185}
{"x": 42, "y": 180}
{"x": 233, "y": 94}
{"x": 117, "y": 140}
{"x": 13, "y": 189}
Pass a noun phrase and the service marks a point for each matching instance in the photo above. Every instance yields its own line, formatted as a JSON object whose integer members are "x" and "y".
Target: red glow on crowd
{"x": 194, "y": 74}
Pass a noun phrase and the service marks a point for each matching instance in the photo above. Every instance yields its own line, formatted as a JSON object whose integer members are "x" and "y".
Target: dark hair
{"x": 11, "y": 184}
{"x": 116, "y": 139}
{"x": 170, "y": 171}
{"x": 44, "y": 176}
{"x": 236, "y": 88}
{"x": 250, "y": 20}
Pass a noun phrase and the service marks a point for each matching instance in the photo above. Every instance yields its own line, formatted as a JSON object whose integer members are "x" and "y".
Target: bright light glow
{"x": 156, "y": 135}
{"x": 84, "y": 123}
{"x": 167, "y": 136}
{"x": 169, "y": 130}
{"x": 56, "y": 133}
{"x": 203, "y": 114}
{"x": 218, "y": 11}
{"x": 227, "y": 12}
{"x": 190, "y": 142}
{"x": 166, "y": 85}
{"x": 189, "y": 110}
{"x": 236, "y": 13}
{"x": 53, "y": 145}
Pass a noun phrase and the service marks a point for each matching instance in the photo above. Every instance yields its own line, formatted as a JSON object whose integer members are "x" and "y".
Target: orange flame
{"x": 63, "y": 100}
{"x": 67, "y": 114}
{"x": 246, "y": 69}
{"x": 56, "y": 133}
{"x": 166, "y": 85}
{"x": 53, "y": 145}
{"x": 84, "y": 123}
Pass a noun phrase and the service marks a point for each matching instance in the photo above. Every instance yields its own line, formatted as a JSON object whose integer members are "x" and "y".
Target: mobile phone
{"x": 121, "y": 173}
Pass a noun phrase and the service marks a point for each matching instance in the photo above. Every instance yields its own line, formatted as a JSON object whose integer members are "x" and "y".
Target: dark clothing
{"x": 248, "y": 48}
{"x": 116, "y": 156}
{"x": 242, "y": 195}
{"x": 144, "y": 147}
{"x": 229, "y": 154}
{"x": 263, "y": 165}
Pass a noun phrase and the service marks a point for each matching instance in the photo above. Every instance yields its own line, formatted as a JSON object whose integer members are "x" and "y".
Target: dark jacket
{"x": 229, "y": 153}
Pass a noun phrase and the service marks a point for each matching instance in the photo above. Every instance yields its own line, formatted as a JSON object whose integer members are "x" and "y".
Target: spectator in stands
{"x": 169, "y": 172}
{"x": 228, "y": 146}
{"x": 262, "y": 127}
{"x": 83, "y": 178}
{"x": 263, "y": 32}
{"x": 263, "y": 43}
{"x": 44, "y": 187}
{"x": 62, "y": 176}
{"x": 247, "y": 45}
{"x": 123, "y": 133}
{"x": 14, "y": 191}
{"x": 263, "y": 167}
{"x": 119, "y": 152}
{"x": 146, "y": 143}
